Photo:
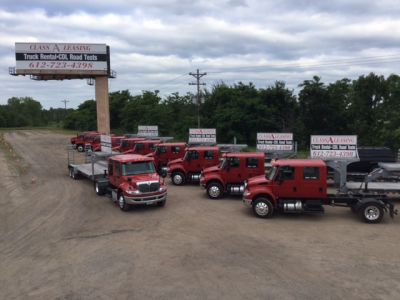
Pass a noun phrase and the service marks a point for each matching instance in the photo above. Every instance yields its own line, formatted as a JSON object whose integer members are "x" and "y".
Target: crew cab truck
{"x": 300, "y": 186}
{"x": 230, "y": 174}
{"x": 166, "y": 152}
{"x": 144, "y": 147}
{"x": 81, "y": 139}
{"x": 188, "y": 168}
{"x": 127, "y": 144}
{"x": 130, "y": 180}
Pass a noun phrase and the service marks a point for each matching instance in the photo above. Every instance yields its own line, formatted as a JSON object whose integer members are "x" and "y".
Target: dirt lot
{"x": 59, "y": 240}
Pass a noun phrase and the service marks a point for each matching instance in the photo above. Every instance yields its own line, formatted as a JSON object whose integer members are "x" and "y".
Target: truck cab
{"x": 127, "y": 144}
{"x": 166, "y": 152}
{"x": 132, "y": 180}
{"x": 144, "y": 147}
{"x": 292, "y": 185}
{"x": 230, "y": 174}
{"x": 188, "y": 168}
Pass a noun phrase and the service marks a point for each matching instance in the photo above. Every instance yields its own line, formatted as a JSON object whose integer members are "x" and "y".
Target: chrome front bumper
{"x": 146, "y": 200}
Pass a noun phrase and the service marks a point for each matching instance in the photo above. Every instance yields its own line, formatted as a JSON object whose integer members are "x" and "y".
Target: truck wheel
{"x": 263, "y": 208}
{"x": 178, "y": 178}
{"x": 80, "y": 148}
{"x": 161, "y": 203}
{"x": 122, "y": 204}
{"x": 371, "y": 212}
{"x": 214, "y": 190}
{"x": 99, "y": 189}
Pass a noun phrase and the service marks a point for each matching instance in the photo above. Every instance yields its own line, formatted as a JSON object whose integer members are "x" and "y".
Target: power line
{"x": 65, "y": 103}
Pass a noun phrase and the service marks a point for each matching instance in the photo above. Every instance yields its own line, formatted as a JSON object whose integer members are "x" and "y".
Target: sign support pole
{"x": 102, "y": 105}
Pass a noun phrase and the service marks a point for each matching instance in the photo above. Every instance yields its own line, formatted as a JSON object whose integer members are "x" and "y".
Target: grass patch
{"x": 15, "y": 160}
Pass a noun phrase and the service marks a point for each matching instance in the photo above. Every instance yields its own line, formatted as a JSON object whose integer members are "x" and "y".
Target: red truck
{"x": 188, "y": 168}
{"x": 230, "y": 174}
{"x": 127, "y": 144}
{"x": 130, "y": 179}
{"x": 166, "y": 152}
{"x": 81, "y": 139}
{"x": 143, "y": 147}
{"x": 300, "y": 186}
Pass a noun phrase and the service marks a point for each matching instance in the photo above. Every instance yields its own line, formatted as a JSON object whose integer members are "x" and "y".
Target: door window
{"x": 286, "y": 173}
{"x": 251, "y": 162}
{"x": 176, "y": 149}
{"x": 209, "y": 154}
{"x": 310, "y": 173}
{"x": 234, "y": 162}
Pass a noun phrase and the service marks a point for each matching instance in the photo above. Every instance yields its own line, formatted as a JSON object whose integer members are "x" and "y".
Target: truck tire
{"x": 371, "y": 212}
{"x": 122, "y": 204}
{"x": 262, "y": 208}
{"x": 215, "y": 190}
{"x": 99, "y": 189}
{"x": 74, "y": 175}
{"x": 178, "y": 178}
{"x": 80, "y": 148}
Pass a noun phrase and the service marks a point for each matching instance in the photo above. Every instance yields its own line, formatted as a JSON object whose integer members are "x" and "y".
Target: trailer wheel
{"x": 122, "y": 204}
{"x": 214, "y": 190}
{"x": 371, "y": 212}
{"x": 73, "y": 174}
{"x": 178, "y": 178}
{"x": 262, "y": 208}
{"x": 99, "y": 189}
{"x": 80, "y": 148}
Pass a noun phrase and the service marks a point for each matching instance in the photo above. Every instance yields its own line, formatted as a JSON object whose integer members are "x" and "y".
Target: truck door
{"x": 252, "y": 167}
{"x": 285, "y": 183}
{"x": 233, "y": 171}
{"x": 208, "y": 159}
{"x": 194, "y": 163}
{"x": 312, "y": 185}
{"x": 114, "y": 172}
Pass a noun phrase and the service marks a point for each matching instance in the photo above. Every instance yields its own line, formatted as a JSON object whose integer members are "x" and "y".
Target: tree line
{"x": 367, "y": 107}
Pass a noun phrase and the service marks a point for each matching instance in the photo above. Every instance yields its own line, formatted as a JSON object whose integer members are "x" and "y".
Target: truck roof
{"x": 203, "y": 148}
{"x": 150, "y": 142}
{"x": 299, "y": 162}
{"x": 245, "y": 154}
{"x": 173, "y": 144}
{"x": 134, "y": 139}
{"x": 124, "y": 158}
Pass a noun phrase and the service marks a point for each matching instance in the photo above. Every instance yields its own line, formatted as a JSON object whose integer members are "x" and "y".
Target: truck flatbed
{"x": 91, "y": 171}
{"x": 393, "y": 187}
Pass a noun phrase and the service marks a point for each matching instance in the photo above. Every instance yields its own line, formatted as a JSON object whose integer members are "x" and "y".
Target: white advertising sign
{"x": 202, "y": 135}
{"x": 60, "y": 58}
{"x": 334, "y": 146}
{"x": 105, "y": 141}
{"x": 274, "y": 142}
{"x": 148, "y": 130}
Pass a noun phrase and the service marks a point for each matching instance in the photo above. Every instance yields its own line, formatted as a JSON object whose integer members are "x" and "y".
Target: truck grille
{"x": 148, "y": 187}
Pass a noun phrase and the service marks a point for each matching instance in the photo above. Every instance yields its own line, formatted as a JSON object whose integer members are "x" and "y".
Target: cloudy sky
{"x": 156, "y": 43}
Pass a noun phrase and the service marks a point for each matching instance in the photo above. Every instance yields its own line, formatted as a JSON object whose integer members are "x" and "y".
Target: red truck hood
{"x": 175, "y": 161}
{"x": 211, "y": 170}
{"x": 257, "y": 180}
{"x": 145, "y": 177}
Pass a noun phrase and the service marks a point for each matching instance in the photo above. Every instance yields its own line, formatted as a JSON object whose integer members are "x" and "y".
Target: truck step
{"x": 313, "y": 208}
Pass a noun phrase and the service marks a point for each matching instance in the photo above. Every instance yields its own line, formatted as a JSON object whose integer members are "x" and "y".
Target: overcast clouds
{"x": 154, "y": 42}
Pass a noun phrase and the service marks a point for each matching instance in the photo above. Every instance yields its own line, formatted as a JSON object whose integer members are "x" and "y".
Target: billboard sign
{"x": 202, "y": 136}
{"x": 274, "y": 142}
{"x": 61, "y": 58}
{"x": 341, "y": 147}
{"x": 105, "y": 141}
{"x": 148, "y": 130}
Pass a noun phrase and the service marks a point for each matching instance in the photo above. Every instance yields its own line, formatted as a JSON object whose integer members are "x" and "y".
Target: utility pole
{"x": 65, "y": 103}
{"x": 198, "y": 75}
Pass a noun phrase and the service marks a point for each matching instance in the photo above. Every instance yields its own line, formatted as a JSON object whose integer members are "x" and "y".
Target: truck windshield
{"x": 135, "y": 168}
{"x": 272, "y": 173}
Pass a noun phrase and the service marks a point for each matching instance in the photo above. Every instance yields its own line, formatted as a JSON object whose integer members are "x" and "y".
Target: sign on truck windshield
{"x": 334, "y": 147}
